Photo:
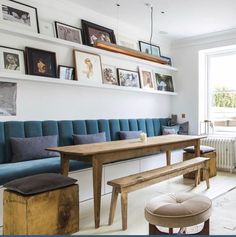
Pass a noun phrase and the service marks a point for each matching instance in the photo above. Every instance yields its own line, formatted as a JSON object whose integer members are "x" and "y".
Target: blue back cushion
{"x": 65, "y": 130}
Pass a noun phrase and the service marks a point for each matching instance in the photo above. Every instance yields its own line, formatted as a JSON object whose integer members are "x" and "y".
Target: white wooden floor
{"x": 137, "y": 224}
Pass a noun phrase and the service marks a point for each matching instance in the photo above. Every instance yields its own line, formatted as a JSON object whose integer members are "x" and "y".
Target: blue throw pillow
{"x": 129, "y": 134}
{"x": 32, "y": 148}
{"x": 90, "y": 138}
{"x": 170, "y": 130}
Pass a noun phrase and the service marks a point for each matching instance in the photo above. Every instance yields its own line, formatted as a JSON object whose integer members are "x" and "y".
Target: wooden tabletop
{"x": 105, "y": 147}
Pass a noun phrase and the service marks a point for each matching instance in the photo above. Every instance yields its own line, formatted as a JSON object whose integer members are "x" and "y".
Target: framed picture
{"x": 149, "y": 48}
{"x": 12, "y": 60}
{"x": 88, "y": 67}
{"x": 19, "y": 15}
{"x": 67, "y": 32}
{"x": 8, "y": 91}
{"x": 93, "y": 32}
{"x": 128, "y": 78}
{"x": 66, "y": 73}
{"x": 164, "y": 82}
{"x": 41, "y": 62}
{"x": 146, "y": 78}
{"x": 109, "y": 75}
{"x": 169, "y": 60}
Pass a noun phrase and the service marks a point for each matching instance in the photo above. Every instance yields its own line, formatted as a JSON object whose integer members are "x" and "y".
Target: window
{"x": 221, "y": 91}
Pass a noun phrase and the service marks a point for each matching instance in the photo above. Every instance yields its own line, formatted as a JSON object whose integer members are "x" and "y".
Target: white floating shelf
{"x": 22, "y": 77}
{"x": 52, "y": 40}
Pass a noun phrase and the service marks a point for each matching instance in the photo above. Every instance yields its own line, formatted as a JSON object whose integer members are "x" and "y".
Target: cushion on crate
{"x": 90, "y": 138}
{"x": 129, "y": 134}
{"x": 39, "y": 183}
{"x": 170, "y": 130}
{"x": 32, "y": 148}
{"x": 203, "y": 149}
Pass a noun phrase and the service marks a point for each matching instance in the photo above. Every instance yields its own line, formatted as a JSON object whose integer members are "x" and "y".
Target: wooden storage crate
{"x": 212, "y": 164}
{"x": 50, "y": 213}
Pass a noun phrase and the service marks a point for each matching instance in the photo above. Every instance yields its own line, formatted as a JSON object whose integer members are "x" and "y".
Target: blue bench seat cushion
{"x": 32, "y": 148}
{"x": 11, "y": 171}
{"x": 203, "y": 149}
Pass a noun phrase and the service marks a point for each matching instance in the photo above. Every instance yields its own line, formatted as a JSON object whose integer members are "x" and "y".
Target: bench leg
{"x": 113, "y": 205}
{"x": 197, "y": 177}
{"x": 206, "y": 175}
{"x": 124, "y": 209}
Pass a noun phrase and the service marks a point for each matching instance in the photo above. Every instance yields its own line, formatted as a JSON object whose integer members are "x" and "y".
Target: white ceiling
{"x": 182, "y": 18}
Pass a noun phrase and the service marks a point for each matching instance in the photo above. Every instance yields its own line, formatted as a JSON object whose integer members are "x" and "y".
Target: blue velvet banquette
{"x": 64, "y": 129}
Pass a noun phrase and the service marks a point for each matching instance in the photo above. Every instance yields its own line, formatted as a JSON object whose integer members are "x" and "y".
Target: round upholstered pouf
{"x": 178, "y": 211}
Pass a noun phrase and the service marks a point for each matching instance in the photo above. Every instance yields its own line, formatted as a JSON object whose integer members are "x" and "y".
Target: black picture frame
{"x": 28, "y": 6}
{"x": 128, "y": 83}
{"x": 149, "y": 48}
{"x": 87, "y": 27}
{"x": 63, "y": 77}
{"x": 169, "y": 60}
{"x": 41, "y": 62}
{"x": 68, "y": 38}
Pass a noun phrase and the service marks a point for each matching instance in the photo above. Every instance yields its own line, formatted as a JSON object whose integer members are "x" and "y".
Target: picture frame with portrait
{"x": 164, "y": 82}
{"x": 149, "y": 49}
{"x": 68, "y": 33}
{"x": 88, "y": 67}
{"x": 109, "y": 75}
{"x": 41, "y": 62}
{"x": 93, "y": 32}
{"x": 66, "y": 73}
{"x": 19, "y": 15}
{"x": 12, "y": 60}
{"x": 146, "y": 78}
{"x": 128, "y": 78}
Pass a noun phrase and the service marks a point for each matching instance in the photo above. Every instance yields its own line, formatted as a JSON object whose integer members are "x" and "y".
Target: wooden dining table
{"x": 101, "y": 153}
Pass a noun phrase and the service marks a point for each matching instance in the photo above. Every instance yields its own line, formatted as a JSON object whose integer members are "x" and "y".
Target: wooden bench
{"x": 130, "y": 183}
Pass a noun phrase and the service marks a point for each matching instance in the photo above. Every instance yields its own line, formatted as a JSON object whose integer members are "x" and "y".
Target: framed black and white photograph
{"x": 66, "y": 73}
{"x": 128, "y": 78}
{"x": 12, "y": 60}
{"x": 168, "y": 59}
{"x": 8, "y": 92}
{"x": 109, "y": 75}
{"x": 41, "y": 62}
{"x": 67, "y": 32}
{"x": 19, "y": 15}
{"x": 146, "y": 78}
{"x": 93, "y": 32}
{"x": 164, "y": 82}
{"x": 88, "y": 67}
{"x": 149, "y": 48}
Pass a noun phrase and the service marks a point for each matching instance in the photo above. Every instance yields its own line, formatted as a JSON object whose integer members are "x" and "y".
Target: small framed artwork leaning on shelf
{"x": 66, "y": 73}
{"x": 93, "y": 32}
{"x": 164, "y": 82}
{"x": 67, "y": 32}
{"x": 146, "y": 78}
{"x": 88, "y": 68}
{"x": 168, "y": 59}
{"x": 149, "y": 48}
{"x": 41, "y": 62}
{"x": 19, "y": 15}
{"x": 12, "y": 60}
{"x": 109, "y": 75}
{"x": 128, "y": 78}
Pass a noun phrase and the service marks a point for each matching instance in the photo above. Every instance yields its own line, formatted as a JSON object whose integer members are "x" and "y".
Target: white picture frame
{"x": 88, "y": 67}
{"x": 109, "y": 75}
{"x": 18, "y": 15}
{"x": 12, "y": 60}
{"x": 146, "y": 78}
{"x": 164, "y": 82}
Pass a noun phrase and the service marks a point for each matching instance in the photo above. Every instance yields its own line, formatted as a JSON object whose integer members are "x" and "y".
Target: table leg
{"x": 197, "y": 148}
{"x": 97, "y": 186}
{"x": 168, "y": 157}
{"x": 64, "y": 166}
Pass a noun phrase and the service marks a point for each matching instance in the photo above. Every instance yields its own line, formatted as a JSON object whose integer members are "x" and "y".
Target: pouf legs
{"x": 153, "y": 230}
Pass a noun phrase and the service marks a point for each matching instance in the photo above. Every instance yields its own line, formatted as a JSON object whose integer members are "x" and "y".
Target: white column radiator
{"x": 225, "y": 148}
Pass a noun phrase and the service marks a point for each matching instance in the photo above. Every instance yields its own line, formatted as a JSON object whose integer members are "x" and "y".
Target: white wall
{"x": 185, "y": 55}
{"x": 54, "y": 101}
